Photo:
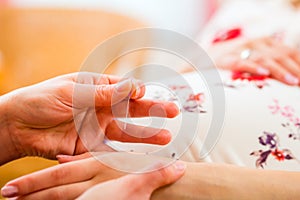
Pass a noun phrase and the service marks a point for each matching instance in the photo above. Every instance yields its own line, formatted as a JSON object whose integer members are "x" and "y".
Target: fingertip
{"x": 164, "y": 137}
{"x": 172, "y": 110}
{"x": 63, "y": 158}
{"x": 172, "y": 173}
{"x": 263, "y": 71}
{"x": 9, "y": 191}
{"x": 291, "y": 80}
{"x": 67, "y": 158}
{"x": 138, "y": 89}
{"x": 179, "y": 168}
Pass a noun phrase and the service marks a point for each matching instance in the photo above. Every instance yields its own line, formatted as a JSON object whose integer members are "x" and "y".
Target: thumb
{"x": 148, "y": 182}
{"x": 67, "y": 158}
{"x": 107, "y": 95}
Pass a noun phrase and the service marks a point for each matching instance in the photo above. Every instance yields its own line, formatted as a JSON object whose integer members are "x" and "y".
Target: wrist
{"x": 7, "y": 145}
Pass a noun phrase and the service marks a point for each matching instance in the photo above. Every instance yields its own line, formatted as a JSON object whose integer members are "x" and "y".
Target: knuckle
{"x": 59, "y": 173}
{"x": 164, "y": 174}
{"x": 56, "y": 194}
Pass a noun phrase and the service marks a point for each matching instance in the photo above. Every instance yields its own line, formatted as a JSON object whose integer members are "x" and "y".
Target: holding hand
{"x": 39, "y": 120}
{"x": 71, "y": 179}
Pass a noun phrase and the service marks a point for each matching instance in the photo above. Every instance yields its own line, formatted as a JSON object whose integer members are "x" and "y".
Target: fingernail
{"x": 291, "y": 79}
{"x": 124, "y": 85}
{"x": 9, "y": 191}
{"x": 263, "y": 71}
{"x": 62, "y": 156}
{"x": 12, "y": 198}
{"x": 180, "y": 166}
{"x": 137, "y": 90}
{"x": 135, "y": 94}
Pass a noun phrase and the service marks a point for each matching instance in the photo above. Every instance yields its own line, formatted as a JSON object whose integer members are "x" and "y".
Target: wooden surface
{"x": 39, "y": 44}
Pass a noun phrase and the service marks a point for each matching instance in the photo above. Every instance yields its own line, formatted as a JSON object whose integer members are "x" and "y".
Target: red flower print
{"x": 279, "y": 155}
{"x": 237, "y": 75}
{"x": 196, "y": 97}
{"x": 226, "y": 35}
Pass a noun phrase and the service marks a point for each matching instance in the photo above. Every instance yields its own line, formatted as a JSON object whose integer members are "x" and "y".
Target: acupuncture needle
{"x": 127, "y": 111}
{"x": 137, "y": 90}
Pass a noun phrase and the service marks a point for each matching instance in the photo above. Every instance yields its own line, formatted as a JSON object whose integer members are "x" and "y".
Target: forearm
{"x": 212, "y": 181}
{"x": 7, "y": 147}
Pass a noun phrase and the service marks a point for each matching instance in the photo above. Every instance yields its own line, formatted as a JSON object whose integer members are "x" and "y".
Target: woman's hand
{"x": 71, "y": 179}
{"x": 264, "y": 56}
{"x": 135, "y": 186}
{"x": 39, "y": 120}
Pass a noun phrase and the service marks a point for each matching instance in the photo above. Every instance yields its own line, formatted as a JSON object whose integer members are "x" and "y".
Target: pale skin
{"x": 268, "y": 57}
{"x": 200, "y": 181}
{"x": 39, "y": 121}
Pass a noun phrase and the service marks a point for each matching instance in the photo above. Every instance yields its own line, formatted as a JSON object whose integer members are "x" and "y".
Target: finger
{"x": 54, "y": 176}
{"x": 296, "y": 56}
{"x": 291, "y": 66}
{"x": 235, "y": 63}
{"x": 93, "y": 78}
{"x": 88, "y": 95}
{"x": 69, "y": 191}
{"x": 137, "y": 134}
{"x": 145, "y": 108}
{"x": 107, "y": 95}
{"x": 251, "y": 67}
{"x": 91, "y": 134}
{"x": 148, "y": 182}
{"x": 279, "y": 73}
{"x": 67, "y": 158}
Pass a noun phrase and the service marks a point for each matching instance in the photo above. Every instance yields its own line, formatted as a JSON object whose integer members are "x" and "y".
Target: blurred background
{"x": 40, "y": 39}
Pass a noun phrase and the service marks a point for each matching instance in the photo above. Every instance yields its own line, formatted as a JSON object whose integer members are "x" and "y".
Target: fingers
{"x": 267, "y": 57}
{"x": 148, "y": 182}
{"x": 145, "y": 108}
{"x": 280, "y": 73}
{"x": 54, "y": 176}
{"x": 67, "y": 158}
{"x": 137, "y": 134}
{"x": 69, "y": 191}
{"x": 106, "y": 94}
{"x": 251, "y": 67}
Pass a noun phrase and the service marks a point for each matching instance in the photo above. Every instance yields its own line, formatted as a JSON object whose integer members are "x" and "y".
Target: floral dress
{"x": 261, "y": 128}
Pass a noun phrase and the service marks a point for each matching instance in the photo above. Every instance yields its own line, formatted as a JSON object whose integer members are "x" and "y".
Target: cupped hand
{"x": 71, "y": 179}
{"x": 264, "y": 56}
{"x": 46, "y": 119}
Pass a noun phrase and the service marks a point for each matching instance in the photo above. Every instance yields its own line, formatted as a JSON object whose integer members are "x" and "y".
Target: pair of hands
{"x": 39, "y": 120}
{"x": 77, "y": 174}
{"x": 267, "y": 56}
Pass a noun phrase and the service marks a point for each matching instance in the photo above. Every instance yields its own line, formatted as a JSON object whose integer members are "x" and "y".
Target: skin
{"x": 38, "y": 120}
{"x": 200, "y": 181}
{"x": 268, "y": 57}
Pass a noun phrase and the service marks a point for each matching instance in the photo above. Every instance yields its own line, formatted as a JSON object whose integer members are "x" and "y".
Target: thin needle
{"x": 127, "y": 112}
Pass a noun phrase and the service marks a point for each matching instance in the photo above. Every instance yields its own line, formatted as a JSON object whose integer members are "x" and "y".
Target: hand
{"x": 71, "y": 179}
{"x": 39, "y": 119}
{"x": 263, "y": 56}
{"x": 135, "y": 186}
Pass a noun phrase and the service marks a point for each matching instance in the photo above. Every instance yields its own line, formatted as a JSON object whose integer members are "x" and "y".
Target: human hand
{"x": 40, "y": 118}
{"x": 71, "y": 179}
{"x": 264, "y": 56}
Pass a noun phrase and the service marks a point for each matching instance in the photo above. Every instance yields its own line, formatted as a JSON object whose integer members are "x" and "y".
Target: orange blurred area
{"x": 37, "y": 44}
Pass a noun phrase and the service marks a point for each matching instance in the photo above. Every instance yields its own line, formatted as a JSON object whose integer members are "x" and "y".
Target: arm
{"x": 220, "y": 181}
{"x": 201, "y": 180}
